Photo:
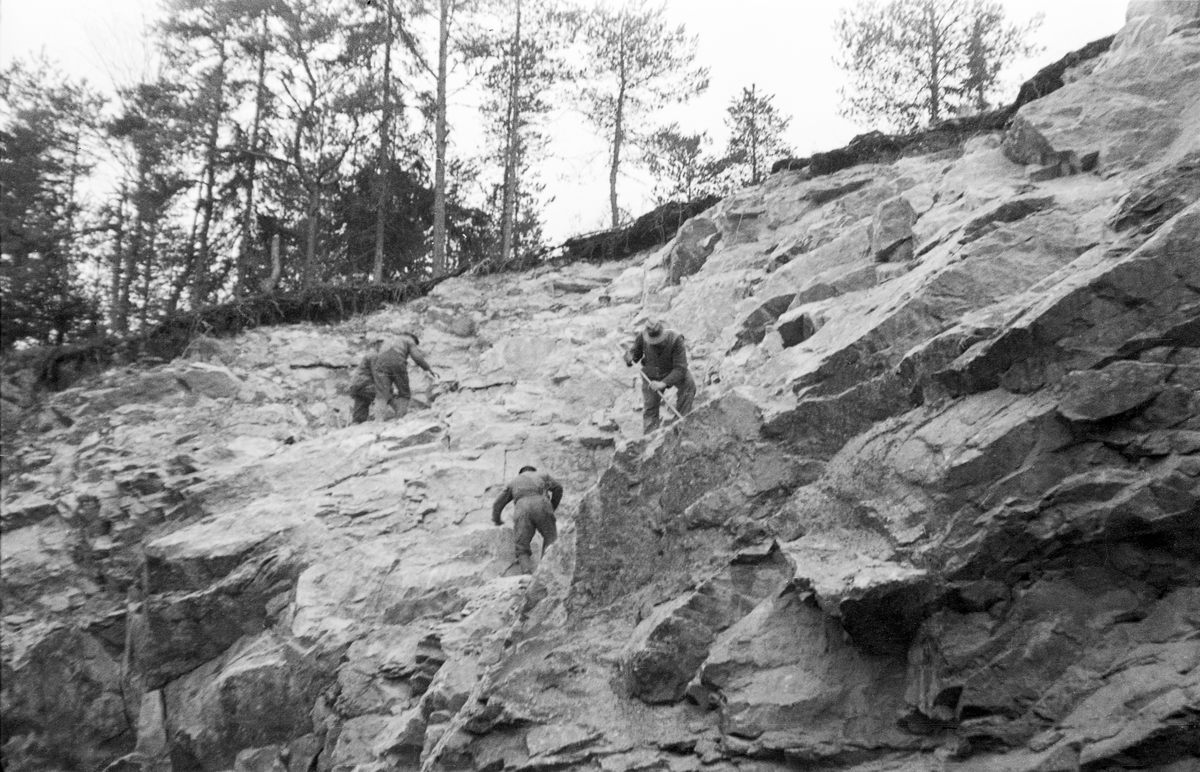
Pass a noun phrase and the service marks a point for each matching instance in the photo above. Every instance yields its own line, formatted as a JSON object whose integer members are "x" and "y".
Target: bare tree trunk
{"x": 268, "y": 284}
{"x": 512, "y": 154}
{"x": 516, "y": 218}
{"x": 614, "y": 165}
{"x": 935, "y": 53}
{"x": 147, "y": 271}
{"x": 440, "y": 136}
{"x": 117, "y": 320}
{"x": 189, "y": 261}
{"x": 618, "y": 127}
{"x": 310, "y": 245}
{"x": 208, "y": 201}
{"x": 132, "y": 255}
{"x": 385, "y": 145}
{"x": 129, "y": 271}
{"x": 243, "y": 265}
{"x": 753, "y": 136}
{"x": 69, "y": 247}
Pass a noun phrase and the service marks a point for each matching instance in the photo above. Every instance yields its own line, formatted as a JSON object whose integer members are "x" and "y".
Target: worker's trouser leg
{"x": 394, "y": 409}
{"x": 685, "y": 395}
{"x": 362, "y": 406}
{"x": 651, "y": 400}
{"x": 535, "y": 516}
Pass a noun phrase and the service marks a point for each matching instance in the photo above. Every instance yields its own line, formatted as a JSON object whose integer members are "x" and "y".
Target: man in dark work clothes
{"x": 382, "y": 377}
{"x": 664, "y": 362}
{"x": 536, "y": 496}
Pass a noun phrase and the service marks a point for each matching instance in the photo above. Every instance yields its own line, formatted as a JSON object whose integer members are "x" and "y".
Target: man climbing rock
{"x": 664, "y": 366}
{"x": 537, "y": 495}
{"x": 382, "y": 377}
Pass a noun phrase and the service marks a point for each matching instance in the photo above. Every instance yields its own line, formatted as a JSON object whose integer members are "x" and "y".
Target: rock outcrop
{"x": 937, "y": 508}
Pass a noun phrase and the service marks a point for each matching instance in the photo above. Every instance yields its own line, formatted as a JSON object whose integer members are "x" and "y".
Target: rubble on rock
{"x": 937, "y": 508}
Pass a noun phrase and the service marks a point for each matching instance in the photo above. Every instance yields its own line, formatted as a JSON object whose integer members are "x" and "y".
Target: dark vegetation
{"x": 57, "y": 367}
{"x": 651, "y": 229}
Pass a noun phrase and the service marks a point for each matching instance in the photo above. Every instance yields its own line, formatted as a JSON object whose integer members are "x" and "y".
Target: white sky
{"x": 784, "y": 47}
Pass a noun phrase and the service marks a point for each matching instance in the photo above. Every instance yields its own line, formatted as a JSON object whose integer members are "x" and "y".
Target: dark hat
{"x": 655, "y": 331}
{"x": 525, "y": 469}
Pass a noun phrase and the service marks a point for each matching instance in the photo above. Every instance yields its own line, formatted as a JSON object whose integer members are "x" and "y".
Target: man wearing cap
{"x": 537, "y": 495}
{"x": 664, "y": 364}
{"x": 383, "y": 370}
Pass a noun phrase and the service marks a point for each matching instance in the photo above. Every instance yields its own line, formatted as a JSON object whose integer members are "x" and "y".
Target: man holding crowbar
{"x": 664, "y": 365}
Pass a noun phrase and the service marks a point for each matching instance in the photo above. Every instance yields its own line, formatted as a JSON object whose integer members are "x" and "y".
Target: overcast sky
{"x": 784, "y": 47}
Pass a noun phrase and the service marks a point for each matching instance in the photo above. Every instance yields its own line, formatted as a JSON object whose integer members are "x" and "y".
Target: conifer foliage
{"x": 914, "y": 63}
{"x": 291, "y": 146}
{"x": 638, "y": 62}
{"x": 46, "y": 147}
{"x": 755, "y": 134}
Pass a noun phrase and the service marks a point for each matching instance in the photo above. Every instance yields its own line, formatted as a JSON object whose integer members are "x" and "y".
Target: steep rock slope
{"x": 938, "y": 506}
{"x": 959, "y": 400}
{"x": 202, "y": 551}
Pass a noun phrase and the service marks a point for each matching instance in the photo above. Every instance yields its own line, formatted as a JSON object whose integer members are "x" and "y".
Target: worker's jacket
{"x": 379, "y": 372}
{"x": 529, "y": 489}
{"x": 666, "y": 361}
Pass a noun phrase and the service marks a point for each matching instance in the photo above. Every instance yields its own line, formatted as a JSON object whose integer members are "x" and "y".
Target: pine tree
{"x": 150, "y": 137}
{"x": 521, "y": 67}
{"x": 755, "y": 133}
{"x": 322, "y": 111}
{"x": 683, "y": 167}
{"x": 917, "y": 62}
{"x": 637, "y": 64}
{"x": 45, "y": 154}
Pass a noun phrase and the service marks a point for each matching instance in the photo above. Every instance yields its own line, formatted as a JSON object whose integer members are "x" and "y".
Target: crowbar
{"x": 662, "y": 396}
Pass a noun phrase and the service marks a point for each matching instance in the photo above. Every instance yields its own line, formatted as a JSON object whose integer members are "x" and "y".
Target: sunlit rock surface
{"x": 937, "y": 508}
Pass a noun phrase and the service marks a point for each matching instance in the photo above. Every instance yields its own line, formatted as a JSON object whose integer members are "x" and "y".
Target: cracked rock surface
{"x": 937, "y": 508}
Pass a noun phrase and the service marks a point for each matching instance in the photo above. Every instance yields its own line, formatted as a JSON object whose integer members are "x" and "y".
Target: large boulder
{"x": 1064, "y": 657}
{"x": 65, "y": 692}
{"x": 1126, "y": 111}
{"x": 456, "y": 323}
{"x": 258, "y": 693}
{"x": 26, "y": 510}
{"x": 209, "y": 380}
{"x": 693, "y": 244}
{"x": 709, "y": 465}
{"x": 892, "y": 231}
{"x": 180, "y": 631}
{"x": 786, "y": 679}
{"x": 1076, "y": 326}
{"x": 1094, "y": 395}
{"x": 1159, "y": 196}
{"x": 669, "y": 646}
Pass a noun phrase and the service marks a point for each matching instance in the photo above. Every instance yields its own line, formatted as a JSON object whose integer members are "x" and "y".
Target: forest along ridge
{"x": 286, "y": 145}
{"x": 937, "y": 507}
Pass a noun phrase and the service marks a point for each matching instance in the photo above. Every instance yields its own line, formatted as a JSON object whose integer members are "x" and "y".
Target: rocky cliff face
{"x": 938, "y": 506}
